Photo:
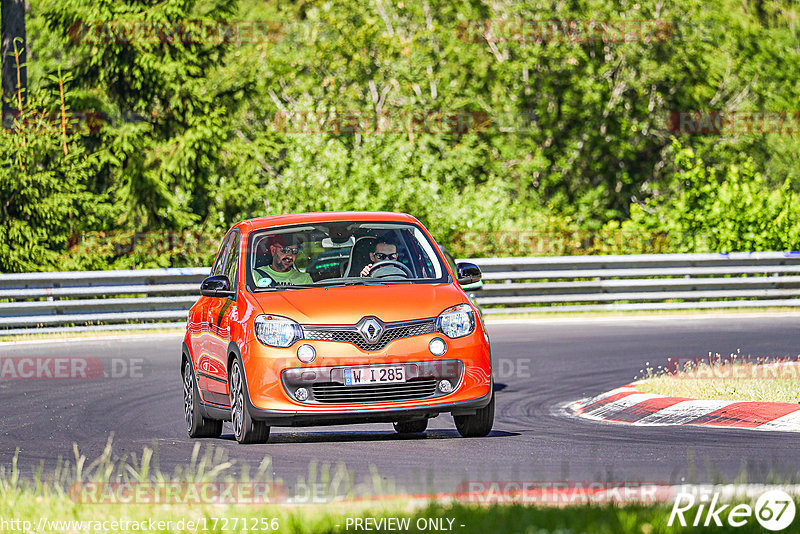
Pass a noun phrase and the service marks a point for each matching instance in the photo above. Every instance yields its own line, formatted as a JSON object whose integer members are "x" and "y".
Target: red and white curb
{"x": 628, "y": 405}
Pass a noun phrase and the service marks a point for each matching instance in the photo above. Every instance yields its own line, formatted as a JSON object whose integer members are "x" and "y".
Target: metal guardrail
{"x": 97, "y": 300}
{"x": 160, "y": 298}
{"x": 640, "y": 282}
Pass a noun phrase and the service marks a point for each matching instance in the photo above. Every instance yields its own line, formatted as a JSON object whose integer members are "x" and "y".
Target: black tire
{"x": 245, "y": 429}
{"x": 478, "y": 425}
{"x": 197, "y": 425}
{"x": 411, "y": 427}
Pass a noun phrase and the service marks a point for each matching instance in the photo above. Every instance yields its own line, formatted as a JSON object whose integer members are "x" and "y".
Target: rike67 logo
{"x": 774, "y": 510}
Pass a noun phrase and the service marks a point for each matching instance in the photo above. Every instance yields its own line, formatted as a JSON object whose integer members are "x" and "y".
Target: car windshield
{"x": 341, "y": 253}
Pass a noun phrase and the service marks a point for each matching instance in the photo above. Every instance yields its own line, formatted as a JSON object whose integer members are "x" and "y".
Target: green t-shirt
{"x": 268, "y": 277}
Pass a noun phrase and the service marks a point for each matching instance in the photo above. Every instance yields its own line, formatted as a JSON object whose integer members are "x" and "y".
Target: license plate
{"x": 374, "y": 375}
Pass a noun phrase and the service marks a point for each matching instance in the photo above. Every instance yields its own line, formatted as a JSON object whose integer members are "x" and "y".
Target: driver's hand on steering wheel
{"x": 365, "y": 270}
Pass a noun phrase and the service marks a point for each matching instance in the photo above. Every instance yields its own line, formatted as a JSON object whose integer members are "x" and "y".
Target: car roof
{"x": 321, "y": 217}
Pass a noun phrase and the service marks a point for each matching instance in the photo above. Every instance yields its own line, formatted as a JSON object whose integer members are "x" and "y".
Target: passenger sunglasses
{"x": 290, "y": 250}
{"x": 381, "y": 256}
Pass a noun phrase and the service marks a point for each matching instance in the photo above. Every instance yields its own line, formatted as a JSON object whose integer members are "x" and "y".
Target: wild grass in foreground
{"x": 63, "y": 515}
{"x": 66, "y": 501}
{"x": 733, "y": 378}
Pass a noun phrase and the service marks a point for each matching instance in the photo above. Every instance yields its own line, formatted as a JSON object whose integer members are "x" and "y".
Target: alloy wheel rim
{"x": 188, "y": 400}
{"x": 237, "y": 401}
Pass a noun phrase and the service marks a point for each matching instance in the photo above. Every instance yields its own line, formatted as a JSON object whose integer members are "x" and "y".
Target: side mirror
{"x": 468, "y": 274}
{"x": 216, "y": 286}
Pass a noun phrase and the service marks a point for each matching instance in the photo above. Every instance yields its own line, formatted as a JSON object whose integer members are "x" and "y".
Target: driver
{"x": 383, "y": 251}
{"x": 282, "y": 270}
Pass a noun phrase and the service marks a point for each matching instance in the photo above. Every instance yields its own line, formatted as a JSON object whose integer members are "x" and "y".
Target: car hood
{"x": 348, "y": 305}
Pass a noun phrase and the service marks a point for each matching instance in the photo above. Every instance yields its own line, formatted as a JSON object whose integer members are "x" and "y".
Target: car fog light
{"x": 437, "y": 346}
{"x": 306, "y": 353}
{"x": 445, "y": 386}
{"x": 301, "y": 394}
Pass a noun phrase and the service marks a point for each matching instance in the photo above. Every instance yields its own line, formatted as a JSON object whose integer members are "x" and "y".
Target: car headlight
{"x": 457, "y": 321}
{"x": 276, "y": 331}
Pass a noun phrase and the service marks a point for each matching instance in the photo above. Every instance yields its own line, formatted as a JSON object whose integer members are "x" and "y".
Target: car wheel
{"x": 478, "y": 425}
{"x": 411, "y": 427}
{"x": 245, "y": 429}
{"x": 196, "y": 425}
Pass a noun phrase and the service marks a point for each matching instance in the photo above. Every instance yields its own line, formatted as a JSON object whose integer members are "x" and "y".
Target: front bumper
{"x": 273, "y": 375}
{"x": 384, "y": 415}
{"x": 329, "y": 385}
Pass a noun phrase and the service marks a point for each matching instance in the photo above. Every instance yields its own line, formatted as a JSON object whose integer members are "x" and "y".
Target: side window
{"x": 219, "y": 262}
{"x": 413, "y": 256}
{"x": 231, "y": 269}
{"x": 450, "y": 261}
{"x": 400, "y": 238}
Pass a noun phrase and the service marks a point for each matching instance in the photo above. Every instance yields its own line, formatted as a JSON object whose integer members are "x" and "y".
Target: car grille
{"x": 333, "y": 393}
{"x": 349, "y": 334}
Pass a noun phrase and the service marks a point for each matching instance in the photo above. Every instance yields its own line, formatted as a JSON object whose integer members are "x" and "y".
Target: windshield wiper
{"x": 281, "y": 288}
{"x": 359, "y": 282}
{"x": 344, "y": 282}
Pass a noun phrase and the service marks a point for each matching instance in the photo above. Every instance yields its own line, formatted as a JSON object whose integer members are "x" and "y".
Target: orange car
{"x": 334, "y": 318}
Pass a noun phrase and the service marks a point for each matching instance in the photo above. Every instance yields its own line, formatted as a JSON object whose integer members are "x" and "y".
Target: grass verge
{"x": 731, "y": 378}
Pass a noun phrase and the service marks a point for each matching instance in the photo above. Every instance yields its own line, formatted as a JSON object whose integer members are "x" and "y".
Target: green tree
{"x": 729, "y": 211}
{"x": 575, "y": 143}
{"x": 44, "y": 172}
{"x": 160, "y": 147}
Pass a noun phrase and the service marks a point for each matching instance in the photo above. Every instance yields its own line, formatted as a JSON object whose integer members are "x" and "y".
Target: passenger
{"x": 281, "y": 271}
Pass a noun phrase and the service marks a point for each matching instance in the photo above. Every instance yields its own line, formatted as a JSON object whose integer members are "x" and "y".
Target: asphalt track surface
{"x": 539, "y": 366}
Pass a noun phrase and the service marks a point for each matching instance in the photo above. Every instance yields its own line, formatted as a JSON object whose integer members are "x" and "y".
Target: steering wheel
{"x": 386, "y": 263}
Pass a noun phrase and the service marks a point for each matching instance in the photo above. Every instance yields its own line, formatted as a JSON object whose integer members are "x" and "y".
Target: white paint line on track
{"x": 682, "y": 412}
{"x": 617, "y": 318}
{"x": 679, "y": 414}
{"x": 604, "y": 412}
{"x": 123, "y": 337}
{"x": 586, "y": 402}
{"x": 676, "y": 415}
{"x": 788, "y": 423}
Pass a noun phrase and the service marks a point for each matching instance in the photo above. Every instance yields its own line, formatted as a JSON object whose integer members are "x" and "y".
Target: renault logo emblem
{"x": 371, "y": 329}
